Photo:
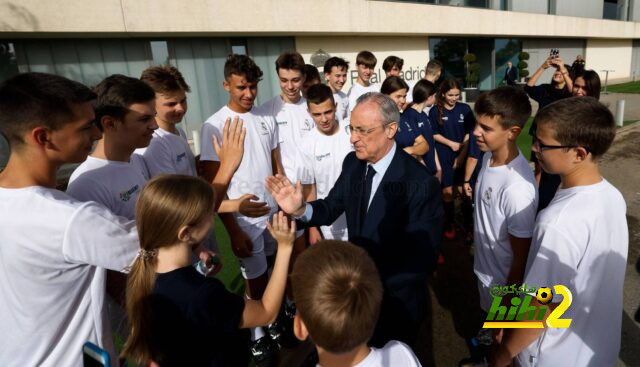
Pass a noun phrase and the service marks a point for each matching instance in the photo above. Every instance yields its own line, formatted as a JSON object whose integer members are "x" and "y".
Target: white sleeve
{"x": 95, "y": 236}
{"x": 519, "y": 205}
{"x": 275, "y": 138}
{"x": 399, "y": 354}
{"x": 554, "y": 259}
{"x": 86, "y": 189}
{"x": 159, "y": 158}
{"x": 207, "y": 151}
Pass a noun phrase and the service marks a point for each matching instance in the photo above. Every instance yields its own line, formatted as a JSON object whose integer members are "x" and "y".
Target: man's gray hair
{"x": 388, "y": 109}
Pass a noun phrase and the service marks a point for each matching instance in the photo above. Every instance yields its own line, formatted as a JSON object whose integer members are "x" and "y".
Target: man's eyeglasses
{"x": 360, "y": 131}
{"x": 542, "y": 147}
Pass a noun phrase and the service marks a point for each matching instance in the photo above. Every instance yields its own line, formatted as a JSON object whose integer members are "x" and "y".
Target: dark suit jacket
{"x": 511, "y": 76}
{"x": 403, "y": 226}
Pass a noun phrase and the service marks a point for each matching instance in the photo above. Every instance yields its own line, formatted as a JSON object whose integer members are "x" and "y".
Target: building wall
{"x": 580, "y": 8}
{"x": 538, "y": 50}
{"x": 610, "y": 55}
{"x": 414, "y": 51}
{"x": 109, "y": 18}
{"x": 635, "y": 60}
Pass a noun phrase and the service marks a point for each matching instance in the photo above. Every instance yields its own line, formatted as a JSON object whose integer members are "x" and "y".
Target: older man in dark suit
{"x": 510, "y": 74}
{"x": 393, "y": 208}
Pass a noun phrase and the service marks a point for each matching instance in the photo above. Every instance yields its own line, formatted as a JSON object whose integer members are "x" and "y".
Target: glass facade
{"x": 491, "y": 56}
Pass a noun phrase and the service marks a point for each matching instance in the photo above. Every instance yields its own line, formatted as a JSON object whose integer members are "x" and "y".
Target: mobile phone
{"x": 94, "y": 356}
{"x": 554, "y": 53}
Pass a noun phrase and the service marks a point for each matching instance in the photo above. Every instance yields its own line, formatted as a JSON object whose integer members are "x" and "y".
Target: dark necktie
{"x": 366, "y": 193}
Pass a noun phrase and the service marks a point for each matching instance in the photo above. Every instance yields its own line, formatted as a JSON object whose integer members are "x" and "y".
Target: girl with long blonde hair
{"x": 178, "y": 316}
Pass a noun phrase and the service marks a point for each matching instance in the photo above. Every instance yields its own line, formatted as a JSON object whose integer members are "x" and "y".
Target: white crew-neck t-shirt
{"x": 357, "y": 90}
{"x": 581, "y": 241}
{"x": 394, "y": 353}
{"x": 505, "y": 203}
{"x": 294, "y": 122}
{"x": 113, "y": 184}
{"x": 261, "y": 138}
{"x": 169, "y": 153}
{"x": 342, "y": 105}
{"x": 53, "y": 255}
{"x": 324, "y": 155}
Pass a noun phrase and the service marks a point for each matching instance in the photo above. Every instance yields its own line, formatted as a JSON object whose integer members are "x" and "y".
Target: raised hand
{"x": 232, "y": 149}
{"x": 281, "y": 231}
{"x": 288, "y": 197}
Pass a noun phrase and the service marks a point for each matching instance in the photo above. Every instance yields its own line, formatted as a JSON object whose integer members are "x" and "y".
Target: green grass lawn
{"x": 230, "y": 274}
{"x": 524, "y": 140}
{"x": 630, "y": 87}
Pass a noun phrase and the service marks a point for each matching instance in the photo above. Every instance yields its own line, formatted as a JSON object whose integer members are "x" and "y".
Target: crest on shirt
{"x": 181, "y": 156}
{"x": 322, "y": 156}
{"x": 420, "y": 124}
{"x": 264, "y": 128}
{"x": 486, "y": 196}
{"x": 308, "y": 125}
{"x": 126, "y": 195}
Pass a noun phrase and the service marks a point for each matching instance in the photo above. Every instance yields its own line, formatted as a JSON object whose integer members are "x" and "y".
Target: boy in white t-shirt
{"x": 392, "y": 66}
{"x": 250, "y": 239}
{"x": 505, "y": 199}
{"x": 54, "y": 249}
{"x": 335, "y": 72}
{"x": 338, "y": 293}
{"x": 125, "y": 112}
{"x": 324, "y": 149}
{"x": 580, "y": 241}
{"x": 432, "y": 73}
{"x": 169, "y": 151}
{"x": 365, "y": 65}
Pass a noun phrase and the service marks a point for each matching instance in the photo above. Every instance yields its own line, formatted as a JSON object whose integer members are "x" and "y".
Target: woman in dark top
{"x": 586, "y": 84}
{"x": 559, "y": 88}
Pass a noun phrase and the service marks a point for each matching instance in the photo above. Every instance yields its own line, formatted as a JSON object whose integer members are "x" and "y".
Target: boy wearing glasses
{"x": 580, "y": 241}
{"x": 324, "y": 149}
{"x": 506, "y": 198}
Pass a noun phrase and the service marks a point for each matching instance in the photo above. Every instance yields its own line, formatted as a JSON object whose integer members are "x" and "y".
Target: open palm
{"x": 288, "y": 197}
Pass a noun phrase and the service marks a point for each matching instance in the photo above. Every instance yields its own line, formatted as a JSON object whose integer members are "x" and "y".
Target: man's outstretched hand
{"x": 288, "y": 197}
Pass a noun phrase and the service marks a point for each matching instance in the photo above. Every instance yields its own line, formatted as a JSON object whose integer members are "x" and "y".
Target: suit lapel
{"x": 378, "y": 207}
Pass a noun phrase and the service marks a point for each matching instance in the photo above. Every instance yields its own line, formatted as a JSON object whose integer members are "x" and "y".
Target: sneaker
{"x": 281, "y": 331}
{"x": 263, "y": 351}
{"x": 450, "y": 232}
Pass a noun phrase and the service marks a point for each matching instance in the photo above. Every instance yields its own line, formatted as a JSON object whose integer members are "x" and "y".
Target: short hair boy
{"x": 365, "y": 65}
{"x": 324, "y": 150}
{"x": 392, "y": 66}
{"x": 169, "y": 151}
{"x": 580, "y": 241}
{"x": 312, "y": 77}
{"x": 54, "y": 249}
{"x": 335, "y": 72}
{"x": 250, "y": 239}
{"x": 432, "y": 73}
{"x": 338, "y": 293}
{"x": 125, "y": 112}
{"x": 506, "y": 195}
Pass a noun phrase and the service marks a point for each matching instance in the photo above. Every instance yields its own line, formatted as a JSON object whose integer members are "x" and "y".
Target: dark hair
{"x": 446, "y": 86}
{"x": 291, "y": 61}
{"x": 164, "y": 79}
{"x": 311, "y": 73}
{"x": 580, "y": 121}
{"x": 117, "y": 92}
{"x": 393, "y": 84}
{"x": 433, "y": 66}
{"x": 242, "y": 65}
{"x": 592, "y": 83}
{"x": 338, "y": 294}
{"x": 36, "y": 99}
{"x": 510, "y": 103}
{"x": 366, "y": 58}
{"x": 423, "y": 90}
{"x": 392, "y": 61}
{"x": 335, "y": 62}
{"x": 318, "y": 93}
{"x": 553, "y": 82}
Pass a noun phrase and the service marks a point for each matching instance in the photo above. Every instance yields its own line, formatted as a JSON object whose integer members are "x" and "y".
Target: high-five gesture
{"x": 231, "y": 150}
{"x": 288, "y": 197}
